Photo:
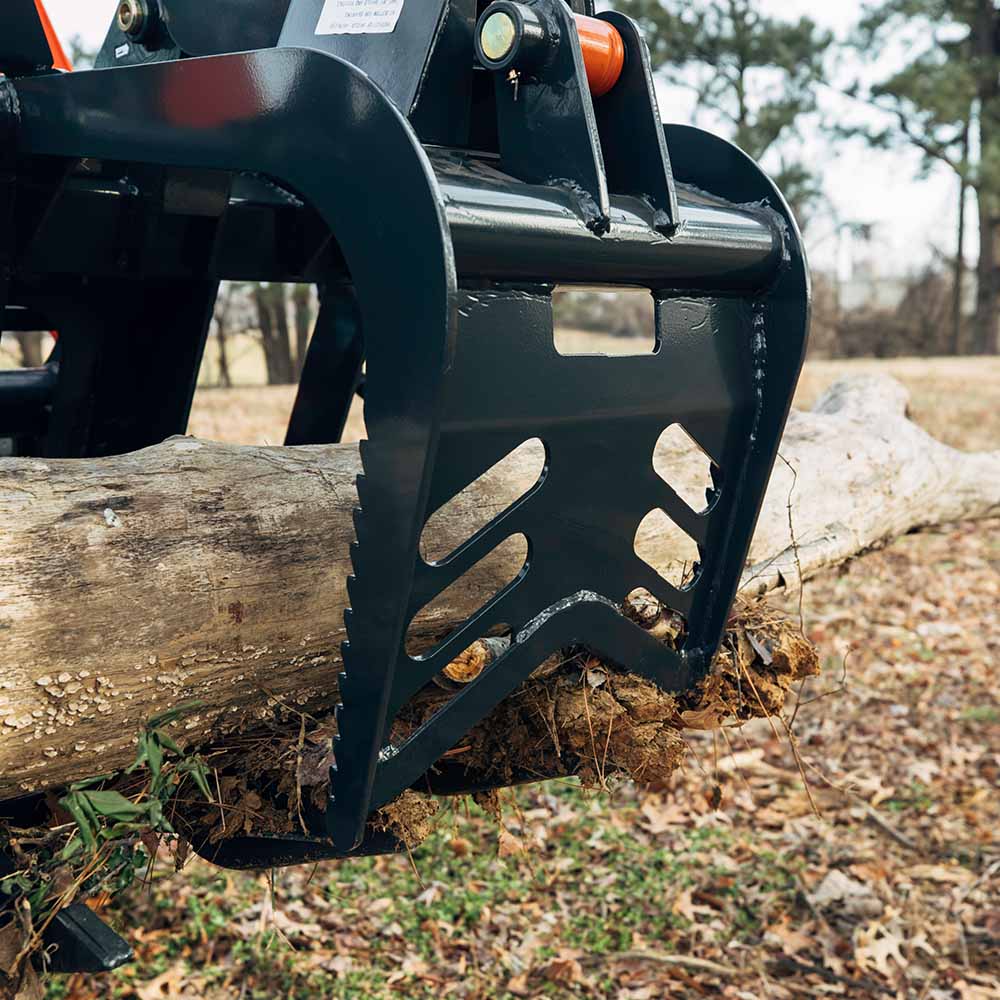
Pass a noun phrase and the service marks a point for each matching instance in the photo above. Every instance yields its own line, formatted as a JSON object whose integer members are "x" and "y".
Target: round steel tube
{"x": 506, "y": 230}
{"x": 27, "y": 387}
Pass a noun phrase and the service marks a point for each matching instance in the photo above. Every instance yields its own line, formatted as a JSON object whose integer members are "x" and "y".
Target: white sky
{"x": 865, "y": 186}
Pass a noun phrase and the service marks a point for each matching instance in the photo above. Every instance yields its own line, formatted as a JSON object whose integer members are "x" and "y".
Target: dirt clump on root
{"x": 579, "y": 716}
{"x": 575, "y": 716}
{"x": 410, "y": 818}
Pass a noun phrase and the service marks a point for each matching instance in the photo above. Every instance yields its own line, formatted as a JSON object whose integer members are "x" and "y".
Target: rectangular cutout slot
{"x": 614, "y": 322}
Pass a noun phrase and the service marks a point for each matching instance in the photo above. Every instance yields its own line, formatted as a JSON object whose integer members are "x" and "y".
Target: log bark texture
{"x": 216, "y": 573}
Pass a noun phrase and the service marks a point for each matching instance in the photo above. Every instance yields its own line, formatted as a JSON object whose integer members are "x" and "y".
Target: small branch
{"x": 684, "y": 961}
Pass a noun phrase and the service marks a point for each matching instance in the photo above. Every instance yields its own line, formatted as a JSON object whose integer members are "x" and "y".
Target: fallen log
{"x": 208, "y": 572}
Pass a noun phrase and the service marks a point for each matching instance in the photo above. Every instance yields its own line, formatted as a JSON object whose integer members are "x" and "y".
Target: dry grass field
{"x": 858, "y": 857}
{"x": 955, "y": 398}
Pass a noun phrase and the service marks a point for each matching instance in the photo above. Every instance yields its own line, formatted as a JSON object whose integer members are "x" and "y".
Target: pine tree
{"x": 758, "y": 73}
{"x": 947, "y": 93}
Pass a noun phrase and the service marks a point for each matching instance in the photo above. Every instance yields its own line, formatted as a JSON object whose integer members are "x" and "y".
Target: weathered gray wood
{"x": 209, "y": 572}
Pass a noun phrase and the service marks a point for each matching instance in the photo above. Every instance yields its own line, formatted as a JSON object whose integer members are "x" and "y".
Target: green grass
{"x": 981, "y": 713}
{"x": 598, "y": 886}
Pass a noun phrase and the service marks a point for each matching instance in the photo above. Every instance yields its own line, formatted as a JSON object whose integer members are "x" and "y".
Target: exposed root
{"x": 574, "y": 716}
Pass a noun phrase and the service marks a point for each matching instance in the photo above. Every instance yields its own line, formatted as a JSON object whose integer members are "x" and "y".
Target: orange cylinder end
{"x": 603, "y": 53}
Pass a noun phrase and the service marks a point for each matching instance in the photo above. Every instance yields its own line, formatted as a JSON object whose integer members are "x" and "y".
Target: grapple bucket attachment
{"x": 437, "y": 169}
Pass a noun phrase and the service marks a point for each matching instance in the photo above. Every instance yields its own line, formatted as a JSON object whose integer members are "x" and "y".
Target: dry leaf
{"x": 510, "y": 845}
{"x": 849, "y": 895}
{"x": 168, "y": 985}
{"x": 876, "y": 945}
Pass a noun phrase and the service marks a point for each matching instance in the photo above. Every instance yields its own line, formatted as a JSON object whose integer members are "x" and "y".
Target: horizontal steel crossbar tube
{"x": 509, "y": 231}
{"x": 27, "y": 387}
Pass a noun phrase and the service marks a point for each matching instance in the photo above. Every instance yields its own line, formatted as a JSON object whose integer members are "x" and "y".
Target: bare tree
{"x": 31, "y": 345}
{"x": 223, "y": 314}
{"x": 302, "y": 300}
{"x": 272, "y": 315}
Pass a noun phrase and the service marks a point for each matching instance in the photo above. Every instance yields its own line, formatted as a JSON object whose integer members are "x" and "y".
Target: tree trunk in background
{"x": 273, "y": 321}
{"x": 222, "y": 311}
{"x": 225, "y": 377}
{"x": 987, "y": 299}
{"x": 956, "y": 306}
{"x": 283, "y": 336}
{"x": 31, "y": 349}
{"x": 302, "y": 300}
{"x": 984, "y": 45}
{"x": 205, "y": 572}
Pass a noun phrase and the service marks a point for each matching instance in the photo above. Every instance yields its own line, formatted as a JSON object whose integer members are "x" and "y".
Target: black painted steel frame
{"x": 461, "y": 364}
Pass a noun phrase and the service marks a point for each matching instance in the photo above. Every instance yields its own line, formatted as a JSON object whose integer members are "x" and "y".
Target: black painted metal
{"x": 27, "y": 387}
{"x": 547, "y": 126}
{"x": 332, "y": 373}
{"x": 628, "y": 118}
{"x": 396, "y": 61}
{"x": 9, "y": 117}
{"x": 500, "y": 227}
{"x": 503, "y": 229}
{"x": 442, "y": 108}
{"x": 23, "y": 46}
{"x": 17, "y": 319}
{"x": 437, "y": 269}
{"x": 129, "y": 358}
{"x": 184, "y": 28}
{"x": 77, "y": 940}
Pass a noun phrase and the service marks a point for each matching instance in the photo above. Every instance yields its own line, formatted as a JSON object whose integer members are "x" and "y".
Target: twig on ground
{"x": 684, "y": 961}
{"x": 874, "y": 816}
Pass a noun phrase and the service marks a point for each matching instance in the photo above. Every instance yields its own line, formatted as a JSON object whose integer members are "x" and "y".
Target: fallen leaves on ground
{"x": 723, "y": 883}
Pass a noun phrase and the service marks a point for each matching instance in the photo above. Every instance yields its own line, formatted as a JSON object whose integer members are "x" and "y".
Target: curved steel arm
{"x": 323, "y": 129}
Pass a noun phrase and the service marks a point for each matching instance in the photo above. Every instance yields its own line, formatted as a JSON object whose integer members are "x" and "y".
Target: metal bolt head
{"x": 132, "y": 17}
{"x": 498, "y": 36}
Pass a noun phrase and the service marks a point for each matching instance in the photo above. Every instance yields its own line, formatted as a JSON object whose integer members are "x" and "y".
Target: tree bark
{"x": 223, "y": 309}
{"x": 987, "y": 298}
{"x": 958, "y": 288}
{"x": 302, "y": 301}
{"x": 208, "y": 572}
{"x": 31, "y": 348}
{"x": 273, "y": 322}
{"x": 984, "y": 41}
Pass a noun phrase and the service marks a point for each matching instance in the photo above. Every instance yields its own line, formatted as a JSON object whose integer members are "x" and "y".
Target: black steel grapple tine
{"x": 332, "y": 371}
{"x": 65, "y": 117}
{"x": 692, "y": 523}
{"x": 586, "y": 616}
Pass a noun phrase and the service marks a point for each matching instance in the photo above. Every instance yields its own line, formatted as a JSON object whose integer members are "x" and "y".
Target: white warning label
{"x": 359, "y": 17}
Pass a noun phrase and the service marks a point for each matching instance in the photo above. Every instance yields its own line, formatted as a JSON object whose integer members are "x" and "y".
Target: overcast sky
{"x": 878, "y": 188}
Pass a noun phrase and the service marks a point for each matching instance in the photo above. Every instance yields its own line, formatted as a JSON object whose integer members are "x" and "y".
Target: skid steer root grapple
{"x": 436, "y": 168}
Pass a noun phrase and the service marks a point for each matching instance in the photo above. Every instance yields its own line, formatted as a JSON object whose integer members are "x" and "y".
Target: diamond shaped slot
{"x": 447, "y": 612}
{"x": 681, "y": 464}
{"x": 661, "y": 545}
{"x": 483, "y": 501}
